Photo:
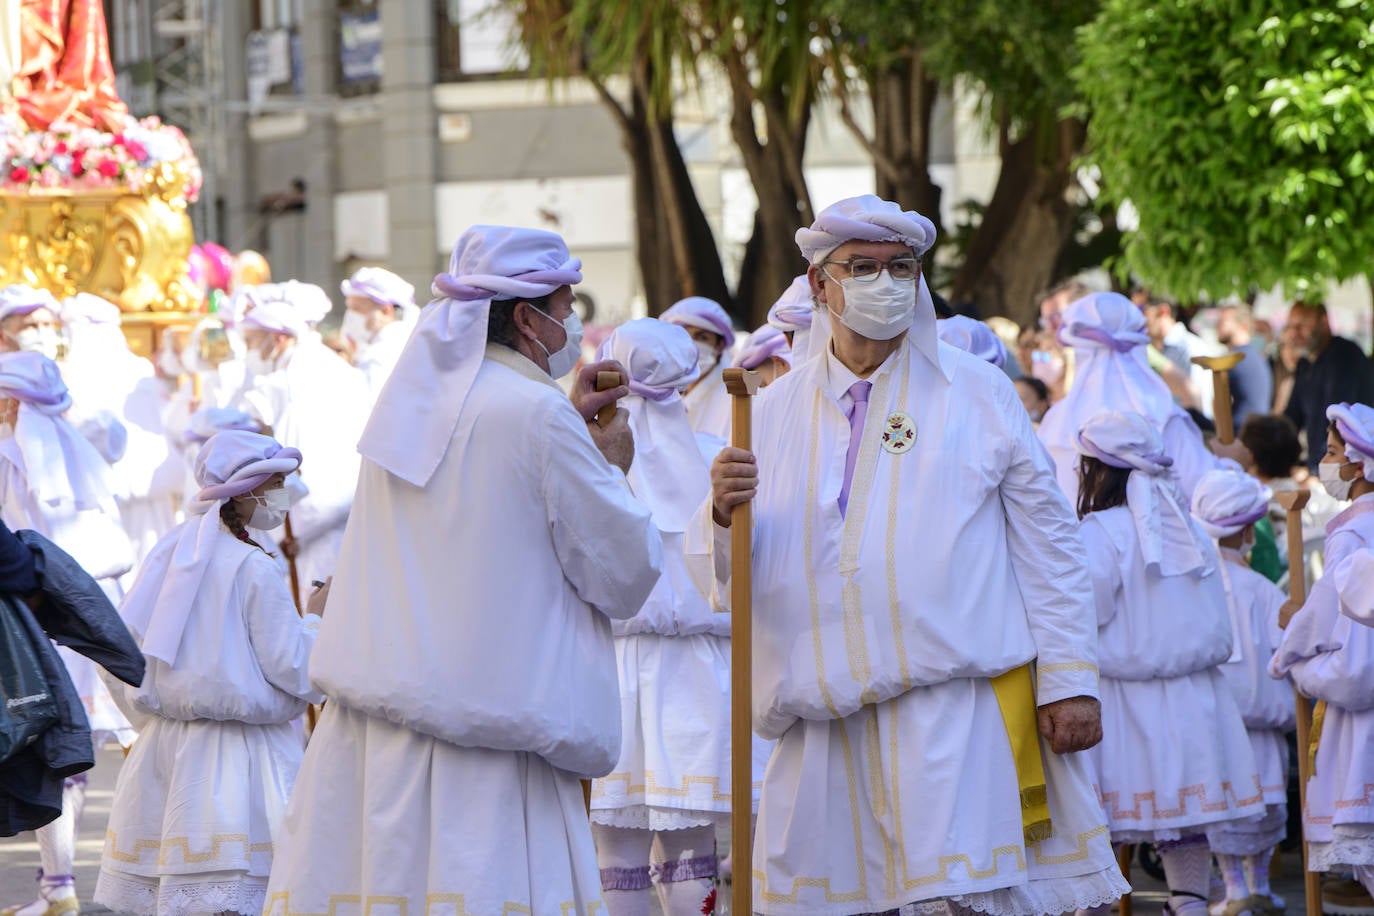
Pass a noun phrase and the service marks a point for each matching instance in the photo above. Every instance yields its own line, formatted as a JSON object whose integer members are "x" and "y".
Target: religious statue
{"x": 55, "y": 65}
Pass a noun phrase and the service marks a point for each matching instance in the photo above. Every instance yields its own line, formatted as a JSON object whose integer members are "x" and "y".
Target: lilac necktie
{"x": 859, "y": 392}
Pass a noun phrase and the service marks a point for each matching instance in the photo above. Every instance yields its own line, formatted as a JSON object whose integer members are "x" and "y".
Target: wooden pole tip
{"x": 1292, "y": 500}
{"x": 1219, "y": 363}
{"x": 605, "y": 381}
{"x": 742, "y": 382}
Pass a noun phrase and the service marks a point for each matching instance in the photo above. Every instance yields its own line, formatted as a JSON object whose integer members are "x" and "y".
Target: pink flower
{"x": 108, "y": 168}
{"x": 136, "y": 149}
{"x": 19, "y": 174}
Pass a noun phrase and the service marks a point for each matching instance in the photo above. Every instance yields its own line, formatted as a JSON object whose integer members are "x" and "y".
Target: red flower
{"x": 60, "y": 148}
{"x": 108, "y": 168}
{"x": 19, "y": 174}
{"x": 136, "y": 149}
{"x": 78, "y": 163}
{"x": 118, "y": 140}
{"x": 708, "y": 905}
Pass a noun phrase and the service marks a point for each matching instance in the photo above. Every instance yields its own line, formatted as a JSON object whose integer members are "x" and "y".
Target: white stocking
{"x": 622, "y": 854}
{"x": 684, "y": 871}
{"x": 1188, "y": 871}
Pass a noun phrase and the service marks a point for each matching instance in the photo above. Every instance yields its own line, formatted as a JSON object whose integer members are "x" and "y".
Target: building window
{"x": 360, "y": 48}
{"x": 276, "y": 14}
{"x": 477, "y": 39}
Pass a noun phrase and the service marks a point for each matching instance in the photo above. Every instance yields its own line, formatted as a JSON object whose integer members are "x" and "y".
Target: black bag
{"x": 29, "y": 705}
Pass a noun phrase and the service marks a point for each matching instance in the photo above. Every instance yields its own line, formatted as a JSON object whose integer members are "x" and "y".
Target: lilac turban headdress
{"x": 1225, "y": 501}
{"x": 700, "y": 312}
{"x": 417, "y": 410}
{"x": 1355, "y": 423}
{"x": 973, "y": 337}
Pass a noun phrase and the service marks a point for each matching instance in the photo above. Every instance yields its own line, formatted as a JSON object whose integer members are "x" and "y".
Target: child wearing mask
{"x": 201, "y": 797}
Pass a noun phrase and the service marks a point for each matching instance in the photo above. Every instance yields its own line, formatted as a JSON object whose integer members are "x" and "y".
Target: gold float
{"x": 130, "y": 248}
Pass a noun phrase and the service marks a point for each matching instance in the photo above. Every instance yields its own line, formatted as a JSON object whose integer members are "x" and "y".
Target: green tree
{"x": 1241, "y": 133}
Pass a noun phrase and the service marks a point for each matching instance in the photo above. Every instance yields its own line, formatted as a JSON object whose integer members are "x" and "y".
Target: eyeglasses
{"x": 866, "y": 270}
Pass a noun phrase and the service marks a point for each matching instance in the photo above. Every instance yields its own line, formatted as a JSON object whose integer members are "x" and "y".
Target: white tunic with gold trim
{"x": 466, "y": 651}
{"x": 877, "y": 634}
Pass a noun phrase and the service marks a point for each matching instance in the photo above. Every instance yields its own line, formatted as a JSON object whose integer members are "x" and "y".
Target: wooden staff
{"x": 1293, "y": 502}
{"x": 311, "y": 713}
{"x": 1123, "y": 861}
{"x": 605, "y": 381}
{"x": 1221, "y": 367}
{"x": 741, "y": 384}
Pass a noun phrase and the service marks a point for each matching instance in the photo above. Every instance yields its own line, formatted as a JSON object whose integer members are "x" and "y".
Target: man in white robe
{"x": 708, "y": 404}
{"x": 28, "y": 321}
{"x": 467, "y": 651}
{"x": 106, "y": 377}
{"x": 312, "y": 400}
{"x": 380, "y": 314}
{"x": 913, "y": 557}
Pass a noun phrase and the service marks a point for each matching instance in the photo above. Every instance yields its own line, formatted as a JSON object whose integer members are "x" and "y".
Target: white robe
{"x": 708, "y": 403}
{"x": 467, "y": 654}
{"x": 876, "y": 635}
{"x": 1265, "y": 703}
{"x": 96, "y": 540}
{"x": 376, "y": 361}
{"x": 1174, "y": 755}
{"x": 316, "y": 403}
{"x": 1331, "y": 657}
{"x": 201, "y": 796}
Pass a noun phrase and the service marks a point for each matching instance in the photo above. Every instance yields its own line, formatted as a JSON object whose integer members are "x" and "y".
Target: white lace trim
{"x": 162, "y": 897}
{"x": 1049, "y": 895}
{"x": 1341, "y": 851}
{"x": 652, "y": 817}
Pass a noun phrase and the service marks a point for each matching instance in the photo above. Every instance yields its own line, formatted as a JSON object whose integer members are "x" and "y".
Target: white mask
{"x": 879, "y": 309}
{"x": 6, "y": 431}
{"x": 1330, "y": 475}
{"x": 354, "y": 327}
{"x": 707, "y": 357}
{"x": 270, "y": 510}
{"x": 38, "y": 340}
{"x": 562, "y": 361}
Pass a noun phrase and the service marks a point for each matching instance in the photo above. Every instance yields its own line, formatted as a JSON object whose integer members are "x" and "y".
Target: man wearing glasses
{"x": 925, "y": 638}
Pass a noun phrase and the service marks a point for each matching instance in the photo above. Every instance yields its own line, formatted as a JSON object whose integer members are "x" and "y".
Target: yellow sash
{"x": 1015, "y": 692}
{"x": 1314, "y": 738}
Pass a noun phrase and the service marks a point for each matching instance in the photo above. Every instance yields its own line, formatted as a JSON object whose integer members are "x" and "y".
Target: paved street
{"x": 19, "y": 855}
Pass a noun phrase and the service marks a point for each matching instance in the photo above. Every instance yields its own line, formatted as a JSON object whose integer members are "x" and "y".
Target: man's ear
{"x": 817, "y": 281}
{"x": 524, "y": 320}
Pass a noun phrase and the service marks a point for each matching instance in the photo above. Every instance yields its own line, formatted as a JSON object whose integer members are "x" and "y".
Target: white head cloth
{"x": 417, "y": 410}
{"x": 1355, "y": 423}
{"x": 795, "y": 308}
{"x": 1107, "y": 333}
{"x": 974, "y": 337}
{"x": 310, "y": 303}
{"x": 98, "y": 354}
{"x": 229, "y": 464}
{"x": 59, "y": 464}
{"x": 279, "y": 317}
{"x": 1225, "y": 501}
{"x": 700, "y": 312}
{"x": 18, "y": 299}
{"x": 871, "y": 219}
{"x": 1168, "y": 540}
{"x": 762, "y": 345}
{"x": 669, "y": 474}
{"x": 208, "y": 421}
{"x": 381, "y": 286}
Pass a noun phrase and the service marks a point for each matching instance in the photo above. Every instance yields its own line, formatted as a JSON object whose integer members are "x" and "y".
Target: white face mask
{"x": 270, "y": 510}
{"x": 257, "y": 364}
{"x": 6, "y": 431}
{"x": 707, "y": 357}
{"x": 879, "y": 309}
{"x": 562, "y": 361}
{"x": 38, "y": 340}
{"x": 354, "y": 327}
{"x": 1330, "y": 474}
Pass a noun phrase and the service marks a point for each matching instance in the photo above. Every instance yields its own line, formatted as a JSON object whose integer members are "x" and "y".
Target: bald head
{"x": 1309, "y": 328}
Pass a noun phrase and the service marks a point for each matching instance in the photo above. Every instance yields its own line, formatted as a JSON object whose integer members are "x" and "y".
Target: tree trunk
{"x": 774, "y": 165}
{"x": 903, "y": 99}
{"x": 1025, "y": 227}
{"x": 675, "y": 249}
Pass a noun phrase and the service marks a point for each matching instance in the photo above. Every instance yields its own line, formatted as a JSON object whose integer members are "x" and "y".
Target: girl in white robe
{"x": 1174, "y": 759}
{"x": 1227, "y": 504}
{"x": 54, "y": 482}
{"x": 1330, "y": 657}
{"x": 654, "y": 816}
{"x": 200, "y": 798}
